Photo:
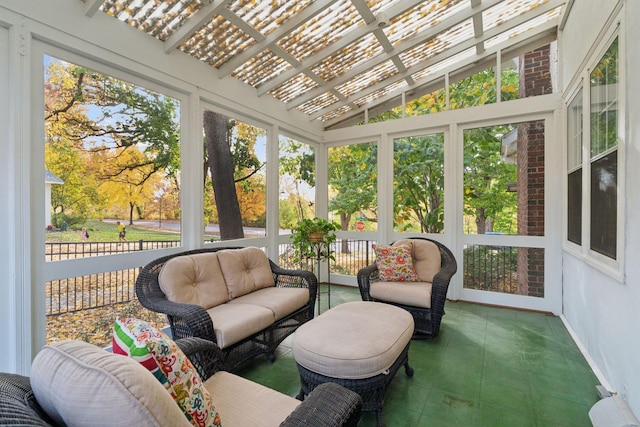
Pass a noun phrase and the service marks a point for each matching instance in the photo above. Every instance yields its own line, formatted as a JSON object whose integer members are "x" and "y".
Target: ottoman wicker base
{"x": 359, "y": 345}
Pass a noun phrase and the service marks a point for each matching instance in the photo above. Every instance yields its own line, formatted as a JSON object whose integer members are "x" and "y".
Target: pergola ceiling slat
{"x": 493, "y": 32}
{"x": 349, "y": 38}
{"x": 461, "y": 48}
{"x": 286, "y": 28}
{"x": 330, "y": 58}
{"x": 428, "y": 34}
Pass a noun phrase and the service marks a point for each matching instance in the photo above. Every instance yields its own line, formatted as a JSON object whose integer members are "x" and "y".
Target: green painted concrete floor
{"x": 488, "y": 367}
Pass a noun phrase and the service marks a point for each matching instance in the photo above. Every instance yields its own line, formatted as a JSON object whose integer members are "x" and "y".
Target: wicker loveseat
{"x": 424, "y": 299}
{"x": 234, "y": 297}
{"x": 75, "y": 383}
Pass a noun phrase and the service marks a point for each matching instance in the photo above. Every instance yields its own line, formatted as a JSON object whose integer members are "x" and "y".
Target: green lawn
{"x": 100, "y": 231}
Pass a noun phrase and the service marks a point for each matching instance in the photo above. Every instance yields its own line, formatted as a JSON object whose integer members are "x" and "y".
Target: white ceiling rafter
{"x": 478, "y": 27}
{"x": 92, "y": 7}
{"x": 512, "y": 23}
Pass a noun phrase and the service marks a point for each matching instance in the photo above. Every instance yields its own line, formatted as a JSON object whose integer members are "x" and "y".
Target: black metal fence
{"x": 61, "y": 251}
{"x": 350, "y": 255}
{"x": 491, "y": 268}
{"x": 94, "y": 290}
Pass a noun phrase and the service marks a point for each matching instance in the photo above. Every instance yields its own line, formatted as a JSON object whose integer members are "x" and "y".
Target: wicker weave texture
{"x": 427, "y": 320}
{"x": 188, "y": 320}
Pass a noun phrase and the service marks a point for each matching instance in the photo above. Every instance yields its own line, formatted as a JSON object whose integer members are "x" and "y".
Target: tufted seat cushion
{"x": 334, "y": 344}
{"x": 194, "y": 279}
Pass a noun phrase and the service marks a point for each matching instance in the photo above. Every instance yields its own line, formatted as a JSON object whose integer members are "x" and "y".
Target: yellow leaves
{"x": 510, "y": 88}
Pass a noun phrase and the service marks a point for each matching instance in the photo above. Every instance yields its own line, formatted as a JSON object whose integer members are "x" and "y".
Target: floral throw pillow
{"x": 160, "y": 355}
{"x": 395, "y": 263}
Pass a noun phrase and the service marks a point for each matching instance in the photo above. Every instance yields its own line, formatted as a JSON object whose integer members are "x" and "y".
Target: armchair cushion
{"x": 427, "y": 260}
{"x": 174, "y": 370}
{"x": 395, "y": 263}
{"x": 247, "y": 403}
{"x": 415, "y": 294}
{"x": 245, "y": 270}
{"x": 194, "y": 279}
{"x": 77, "y": 384}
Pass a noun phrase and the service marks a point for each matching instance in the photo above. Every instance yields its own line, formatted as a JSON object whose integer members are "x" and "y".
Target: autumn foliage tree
{"x": 102, "y": 131}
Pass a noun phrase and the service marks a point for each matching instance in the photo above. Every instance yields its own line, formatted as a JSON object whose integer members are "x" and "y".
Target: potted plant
{"x": 312, "y": 238}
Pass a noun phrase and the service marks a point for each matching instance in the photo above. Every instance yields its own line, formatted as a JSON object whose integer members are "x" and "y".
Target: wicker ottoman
{"x": 359, "y": 345}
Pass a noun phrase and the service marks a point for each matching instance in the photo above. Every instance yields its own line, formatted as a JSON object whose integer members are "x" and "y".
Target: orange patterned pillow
{"x": 395, "y": 263}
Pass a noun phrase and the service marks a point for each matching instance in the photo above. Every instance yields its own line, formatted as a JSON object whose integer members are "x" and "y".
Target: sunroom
{"x": 521, "y": 111}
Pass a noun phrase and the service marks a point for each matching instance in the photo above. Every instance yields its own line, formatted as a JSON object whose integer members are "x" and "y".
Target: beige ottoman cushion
{"x": 353, "y": 340}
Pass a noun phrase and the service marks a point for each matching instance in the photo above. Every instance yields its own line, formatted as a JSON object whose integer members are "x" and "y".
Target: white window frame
{"x": 612, "y": 267}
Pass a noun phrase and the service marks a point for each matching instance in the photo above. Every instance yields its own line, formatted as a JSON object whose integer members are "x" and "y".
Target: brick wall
{"x": 535, "y": 79}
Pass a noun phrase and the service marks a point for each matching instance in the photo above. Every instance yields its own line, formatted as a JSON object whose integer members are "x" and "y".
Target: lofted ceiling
{"x": 338, "y": 60}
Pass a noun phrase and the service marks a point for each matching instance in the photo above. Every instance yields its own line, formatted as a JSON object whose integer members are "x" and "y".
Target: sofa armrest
{"x": 365, "y": 277}
{"x": 328, "y": 405}
{"x": 296, "y": 279}
{"x": 18, "y": 405}
{"x": 205, "y": 355}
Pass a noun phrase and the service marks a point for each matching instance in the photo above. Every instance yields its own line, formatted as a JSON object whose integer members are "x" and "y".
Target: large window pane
{"x": 418, "y": 199}
{"x": 604, "y": 201}
{"x": 504, "y": 179}
{"x": 353, "y": 177}
{"x": 112, "y": 154}
{"x": 604, "y": 102}
{"x": 297, "y": 182}
{"x": 574, "y": 207}
{"x": 604, "y": 158}
{"x": 235, "y": 185}
{"x": 575, "y": 132}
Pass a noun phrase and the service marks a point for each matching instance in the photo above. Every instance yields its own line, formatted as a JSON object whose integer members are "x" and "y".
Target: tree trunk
{"x": 344, "y": 225}
{"x": 131, "y": 206}
{"x": 480, "y": 221}
{"x": 221, "y": 167}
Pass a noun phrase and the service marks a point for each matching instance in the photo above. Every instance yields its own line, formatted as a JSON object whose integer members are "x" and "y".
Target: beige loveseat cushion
{"x": 245, "y": 270}
{"x": 234, "y": 322}
{"x": 194, "y": 279}
{"x": 281, "y": 301}
{"x": 426, "y": 258}
{"x": 243, "y": 403}
{"x": 79, "y": 384}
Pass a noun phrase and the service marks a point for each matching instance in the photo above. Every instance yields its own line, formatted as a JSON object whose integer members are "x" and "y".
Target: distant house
{"x": 49, "y": 180}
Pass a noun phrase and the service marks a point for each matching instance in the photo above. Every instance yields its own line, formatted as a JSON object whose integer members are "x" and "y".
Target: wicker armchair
{"x": 189, "y": 320}
{"x": 329, "y": 405}
{"x": 427, "y": 320}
